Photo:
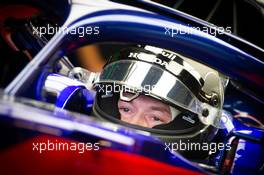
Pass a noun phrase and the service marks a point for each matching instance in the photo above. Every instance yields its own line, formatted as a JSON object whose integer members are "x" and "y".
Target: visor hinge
{"x": 212, "y": 98}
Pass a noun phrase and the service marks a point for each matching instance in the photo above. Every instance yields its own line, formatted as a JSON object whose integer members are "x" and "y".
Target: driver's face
{"x": 144, "y": 111}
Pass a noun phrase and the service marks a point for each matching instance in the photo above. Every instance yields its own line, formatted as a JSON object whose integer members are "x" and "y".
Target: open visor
{"x": 152, "y": 80}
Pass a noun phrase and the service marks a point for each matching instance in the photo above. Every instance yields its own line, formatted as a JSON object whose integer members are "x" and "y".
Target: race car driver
{"x": 158, "y": 91}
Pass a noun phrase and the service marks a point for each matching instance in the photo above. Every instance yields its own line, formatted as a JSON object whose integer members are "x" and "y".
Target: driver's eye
{"x": 124, "y": 109}
{"x": 156, "y": 119}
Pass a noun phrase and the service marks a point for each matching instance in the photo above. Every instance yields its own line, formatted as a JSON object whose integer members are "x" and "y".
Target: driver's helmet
{"x": 158, "y": 91}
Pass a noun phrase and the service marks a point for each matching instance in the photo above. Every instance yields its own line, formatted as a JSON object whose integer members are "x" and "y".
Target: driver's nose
{"x": 139, "y": 119}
